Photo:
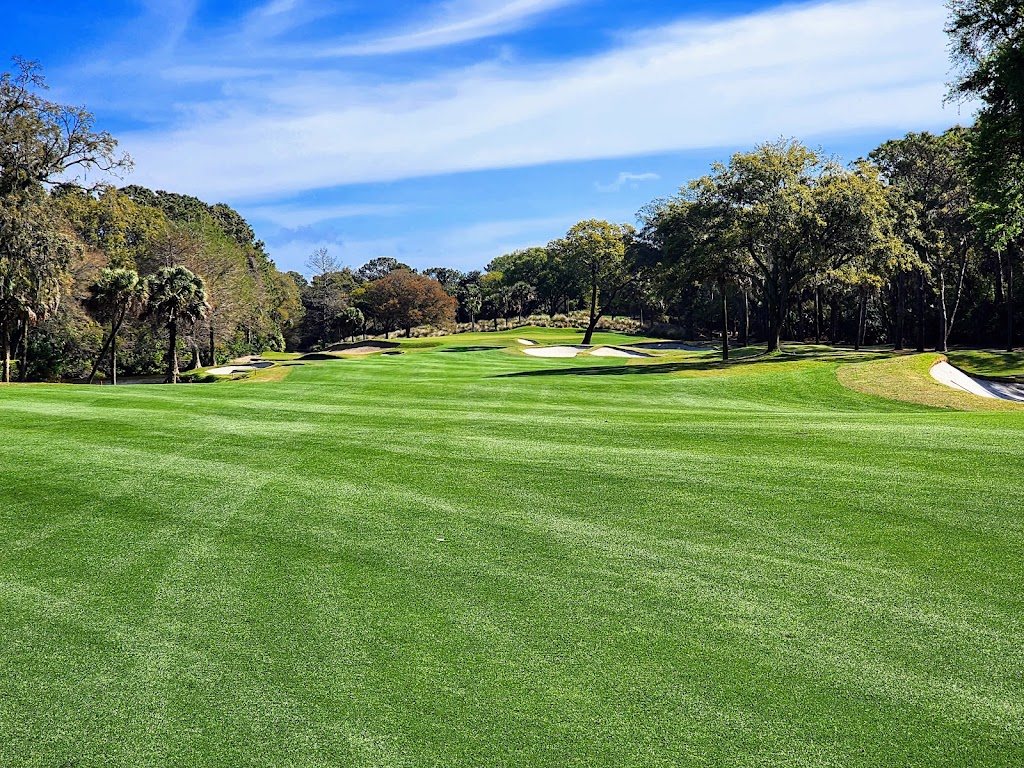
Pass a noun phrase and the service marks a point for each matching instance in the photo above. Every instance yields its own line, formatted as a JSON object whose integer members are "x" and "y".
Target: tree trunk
{"x": 775, "y": 318}
{"x": 23, "y": 353}
{"x": 774, "y": 334}
{"x": 777, "y": 309}
{"x": 593, "y": 311}
{"x": 172, "y": 363}
{"x": 725, "y": 323}
{"x": 943, "y": 316}
{"x": 589, "y": 335}
{"x": 745, "y": 326}
{"x": 1009, "y": 305}
{"x": 920, "y": 311}
{"x": 951, "y": 316}
{"x": 817, "y": 314}
{"x": 901, "y": 311}
{"x": 113, "y": 356}
{"x": 861, "y": 302}
{"x": 213, "y": 352}
{"x": 5, "y": 339}
{"x": 101, "y": 356}
{"x": 115, "y": 326}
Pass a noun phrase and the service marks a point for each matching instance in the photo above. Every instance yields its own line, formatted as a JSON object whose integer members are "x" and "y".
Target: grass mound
{"x": 907, "y": 378}
{"x": 362, "y": 347}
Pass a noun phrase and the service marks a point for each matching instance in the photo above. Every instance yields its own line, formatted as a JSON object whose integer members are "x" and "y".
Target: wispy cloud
{"x": 805, "y": 71}
{"x": 625, "y": 178}
{"x": 466, "y": 247}
{"x": 458, "y": 21}
{"x": 296, "y": 216}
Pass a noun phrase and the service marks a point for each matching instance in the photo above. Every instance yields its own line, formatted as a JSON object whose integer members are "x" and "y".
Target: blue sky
{"x": 452, "y": 131}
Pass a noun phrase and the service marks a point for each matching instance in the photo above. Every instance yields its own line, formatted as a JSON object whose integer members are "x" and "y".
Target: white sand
{"x": 527, "y": 342}
{"x": 552, "y": 351}
{"x": 994, "y": 390}
{"x": 613, "y": 352}
{"x": 227, "y": 370}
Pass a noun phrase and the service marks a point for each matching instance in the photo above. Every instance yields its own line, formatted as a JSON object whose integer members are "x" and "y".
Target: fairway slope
{"x": 912, "y": 379}
{"x": 481, "y": 559}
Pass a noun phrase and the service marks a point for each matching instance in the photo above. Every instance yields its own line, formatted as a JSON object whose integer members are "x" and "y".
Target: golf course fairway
{"x": 462, "y": 555}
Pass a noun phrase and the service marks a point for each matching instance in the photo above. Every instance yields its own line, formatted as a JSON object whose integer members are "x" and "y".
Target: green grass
{"x": 989, "y": 363}
{"x": 461, "y": 556}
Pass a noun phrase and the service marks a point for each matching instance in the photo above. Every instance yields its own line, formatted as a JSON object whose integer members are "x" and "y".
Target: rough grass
{"x": 482, "y": 558}
{"x": 907, "y": 378}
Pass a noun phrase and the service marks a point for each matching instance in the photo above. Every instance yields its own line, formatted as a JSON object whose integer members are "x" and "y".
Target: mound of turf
{"x": 363, "y": 347}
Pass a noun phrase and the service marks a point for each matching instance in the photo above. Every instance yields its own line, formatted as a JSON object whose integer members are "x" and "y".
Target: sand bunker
{"x": 553, "y": 351}
{"x": 953, "y": 377}
{"x": 527, "y": 342}
{"x": 227, "y": 370}
{"x": 615, "y": 352}
{"x": 361, "y": 347}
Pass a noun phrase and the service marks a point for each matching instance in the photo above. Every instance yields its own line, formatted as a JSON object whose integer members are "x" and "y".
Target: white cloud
{"x": 805, "y": 71}
{"x": 458, "y": 21}
{"x": 293, "y": 216}
{"x": 626, "y": 178}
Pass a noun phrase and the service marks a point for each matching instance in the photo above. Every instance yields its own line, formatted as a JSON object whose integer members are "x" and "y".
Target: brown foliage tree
{"x": 402, "y": 299}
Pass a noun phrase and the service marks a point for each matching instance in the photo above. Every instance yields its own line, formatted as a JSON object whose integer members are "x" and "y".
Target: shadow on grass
{"x": 679, "y": 366}
{"x": 748, "y": 356}
{"x": 985, "y": 363}
{"x": 320, "y": 356}
{"x": 468, "y": 349}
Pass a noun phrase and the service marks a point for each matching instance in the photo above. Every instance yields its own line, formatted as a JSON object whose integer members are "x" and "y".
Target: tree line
{"x": 918, "y": 244}
{"x": 780, "y": 242}
{"x": 94, "y": 279}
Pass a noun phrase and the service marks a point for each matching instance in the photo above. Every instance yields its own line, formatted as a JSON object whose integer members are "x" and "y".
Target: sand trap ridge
{"x": 553, "y": 351}
{"x": 526, "y": 342}
{"x": 953, "y": 377}
{"x": 362, "y": 347}
{"x": 227, "y": 370}
{"x": 615, "y": 352}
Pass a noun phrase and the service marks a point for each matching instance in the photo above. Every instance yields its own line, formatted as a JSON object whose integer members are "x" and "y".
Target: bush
{"x": 63, "y": 347}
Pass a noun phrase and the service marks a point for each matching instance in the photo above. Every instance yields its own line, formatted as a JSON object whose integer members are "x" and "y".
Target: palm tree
{"x": 521, "y": 294}
{"x": 176, "y": 295}
{"x": 472, "y": 304}
{"x": 115, "y": 294}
